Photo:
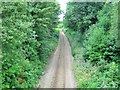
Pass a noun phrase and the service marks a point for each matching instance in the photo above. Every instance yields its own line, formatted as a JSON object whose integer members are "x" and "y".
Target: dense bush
{"x": 100, "y": 50}
{"x": 27, "y": 37}
{"x": 45, "y": 20}
{"x": 100, "y": 42}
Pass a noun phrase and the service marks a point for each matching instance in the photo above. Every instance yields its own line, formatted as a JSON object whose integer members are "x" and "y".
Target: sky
{"x": 63, "y": 6}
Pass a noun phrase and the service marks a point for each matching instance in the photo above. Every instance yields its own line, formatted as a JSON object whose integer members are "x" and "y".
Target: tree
{"x": 80, "y": 15}
{"x": 28, "y": 37}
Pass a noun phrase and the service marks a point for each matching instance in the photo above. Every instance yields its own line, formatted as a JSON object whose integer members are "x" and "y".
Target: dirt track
{"x": 59, "y": 72}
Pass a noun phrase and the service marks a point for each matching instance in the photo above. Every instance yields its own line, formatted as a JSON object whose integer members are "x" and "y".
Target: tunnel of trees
{"x": 29, "y": 35}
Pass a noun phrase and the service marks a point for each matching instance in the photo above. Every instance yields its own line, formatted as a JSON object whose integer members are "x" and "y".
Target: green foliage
{"x": 98, "y": 79}
{"x": 101, "y": 49}
{"x": 96, "y": 58}
{"x": 80, "y": 15}
{"x": 45, "y": 20}
{"x": 99, "y": 43}
{"x": 28, "y": 37}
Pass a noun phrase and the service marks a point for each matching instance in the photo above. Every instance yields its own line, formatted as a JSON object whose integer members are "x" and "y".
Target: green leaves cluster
{"x": 80, "y": 15}
{"x": 100, "y": 44}
{"x": 28, "y": 37}
{"x": 100, "y": 47}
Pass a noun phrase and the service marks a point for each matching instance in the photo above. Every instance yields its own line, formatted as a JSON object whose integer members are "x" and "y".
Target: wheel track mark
{"x": 60, "y": 72}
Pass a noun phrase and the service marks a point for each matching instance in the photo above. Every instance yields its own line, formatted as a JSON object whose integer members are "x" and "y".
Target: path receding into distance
{"x": 59, "y": 72}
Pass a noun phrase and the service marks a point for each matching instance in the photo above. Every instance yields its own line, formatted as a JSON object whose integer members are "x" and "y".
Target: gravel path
{"x": 59, "y": 72}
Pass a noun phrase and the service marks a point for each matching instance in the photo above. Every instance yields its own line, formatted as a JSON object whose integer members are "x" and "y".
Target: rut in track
{"x": 59, "y": 72}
